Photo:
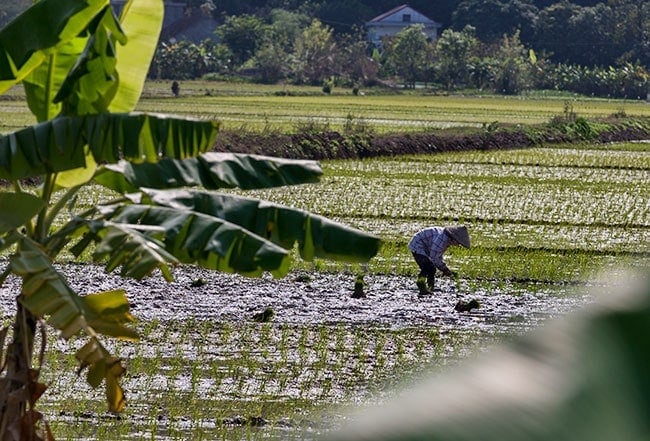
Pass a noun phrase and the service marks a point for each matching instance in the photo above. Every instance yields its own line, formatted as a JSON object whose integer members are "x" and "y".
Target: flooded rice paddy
{"x": 205, "y": 369}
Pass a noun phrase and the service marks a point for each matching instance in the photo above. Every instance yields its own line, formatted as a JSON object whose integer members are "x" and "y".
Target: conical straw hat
{"x": 459, "y": 234}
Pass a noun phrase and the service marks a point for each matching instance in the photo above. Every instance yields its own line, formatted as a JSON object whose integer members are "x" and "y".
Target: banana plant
{"x": 83, "y": 74}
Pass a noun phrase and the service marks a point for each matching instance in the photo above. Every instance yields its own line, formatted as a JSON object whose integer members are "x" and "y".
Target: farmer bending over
{"x": 429, "y": 245}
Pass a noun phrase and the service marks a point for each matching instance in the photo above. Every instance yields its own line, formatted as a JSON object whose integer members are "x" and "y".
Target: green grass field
{"x": 384, "y": 113}
{"x": 258, "y": 108}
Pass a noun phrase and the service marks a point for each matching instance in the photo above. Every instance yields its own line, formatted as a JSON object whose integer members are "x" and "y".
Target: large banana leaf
{"x": 136, "y": 249}
{"x": 86, "y": 74}
{"x": 137, "y": 252}
{"x": 141, "y": 20}
{"x": 24, "y": 206}
{"x": 93, "y": 81}
{"x": 42, "y": 83}
{"x": 22, "y": 49}
{"x": 46, "y": 294}
{"x": 59, "y": 144}
{"x": 211, "y": 171}
{"x": 317, "y": 236}
{"x": 207, "y": 240}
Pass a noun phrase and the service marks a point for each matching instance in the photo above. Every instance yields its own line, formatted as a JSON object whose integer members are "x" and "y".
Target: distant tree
{"x": 598, "y": 37}
{"x": 514, "y": 66}
{"x": 634, "y": 37}
{"x": 553, "y": 26}
{"x": 314, "y": 54}
{"x": 594, "y": 43}
{"x": 286, "y": 26}
{"x": 453, "y": 53}
{"x": 409, "y": 54}
{"x": 355, "y": 63}
{"x": 242, "y": 34}
{"x": 185, "y": 60}
{"x": 271, "y": 61}
{"x": 482, "y": 71}
{"x": 494, "y": 18}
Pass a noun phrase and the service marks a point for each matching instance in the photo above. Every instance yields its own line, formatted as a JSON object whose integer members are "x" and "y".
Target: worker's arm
{"x": 440, "y": 264}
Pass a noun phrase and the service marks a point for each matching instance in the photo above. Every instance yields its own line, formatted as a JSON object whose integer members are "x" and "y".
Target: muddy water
{"x": 315, "y": 297}
{"x": 303, "y": 299}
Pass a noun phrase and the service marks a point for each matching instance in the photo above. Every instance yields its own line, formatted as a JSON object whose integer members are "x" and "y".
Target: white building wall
{"x": 392, "y": 24}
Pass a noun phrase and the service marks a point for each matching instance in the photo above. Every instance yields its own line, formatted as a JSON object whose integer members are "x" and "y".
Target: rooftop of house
{"x": 396, "y": 10}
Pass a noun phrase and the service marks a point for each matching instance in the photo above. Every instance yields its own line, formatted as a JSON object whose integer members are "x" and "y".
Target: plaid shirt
{"x": 432, "y": 242}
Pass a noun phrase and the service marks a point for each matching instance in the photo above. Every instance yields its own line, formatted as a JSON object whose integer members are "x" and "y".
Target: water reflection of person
{"x": 428, "y": 246}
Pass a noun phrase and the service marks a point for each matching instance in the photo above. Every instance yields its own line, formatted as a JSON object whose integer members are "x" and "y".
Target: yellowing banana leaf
{"x": 17, "y": 209}
{"x": 209, "y": 170}
{"x": 103, "y": 367}
{"x": 317, "y": 236}
{"x": 108, "y": 313}
{"x": 59, "y": 144}
{"x": 209, "y": 241}
{"x": 46, "y": 294}
{"x": 22, "y": 49}
{"x": 141, "y": 20}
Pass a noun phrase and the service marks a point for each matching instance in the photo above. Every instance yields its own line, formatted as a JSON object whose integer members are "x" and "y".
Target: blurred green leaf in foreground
{"x": 582, "y": 377}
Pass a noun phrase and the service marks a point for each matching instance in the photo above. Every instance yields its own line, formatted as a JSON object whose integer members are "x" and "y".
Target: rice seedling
{"x": 338, "y": 365}
{"x": 553, "y": 214}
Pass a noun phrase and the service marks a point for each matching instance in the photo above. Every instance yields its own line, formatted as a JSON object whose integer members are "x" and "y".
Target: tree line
{"x": 293, "y": 47}
{"x": 587, "y": 46}
{"x": 583, "y": 32}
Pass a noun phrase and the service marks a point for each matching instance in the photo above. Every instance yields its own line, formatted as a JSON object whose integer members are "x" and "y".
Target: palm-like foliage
{"x": 77, "y": 73}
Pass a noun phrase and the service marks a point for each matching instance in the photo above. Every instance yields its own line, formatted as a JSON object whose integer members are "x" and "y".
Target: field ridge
{"x": 364, "y": 144}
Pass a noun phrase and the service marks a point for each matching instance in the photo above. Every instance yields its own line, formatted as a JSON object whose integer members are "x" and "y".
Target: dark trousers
{"x": 427, "y": 268}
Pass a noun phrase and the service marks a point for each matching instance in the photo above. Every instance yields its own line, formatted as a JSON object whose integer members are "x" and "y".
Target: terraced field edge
{"x": 362, "y": 143}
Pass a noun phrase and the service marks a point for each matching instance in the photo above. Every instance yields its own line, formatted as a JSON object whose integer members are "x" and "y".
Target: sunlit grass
{"x": 383, "y": 113}
{"x": 288, "y": 108}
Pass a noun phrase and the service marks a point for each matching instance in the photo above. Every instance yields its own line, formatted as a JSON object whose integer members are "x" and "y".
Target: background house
{"x": 391, "y": 22}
